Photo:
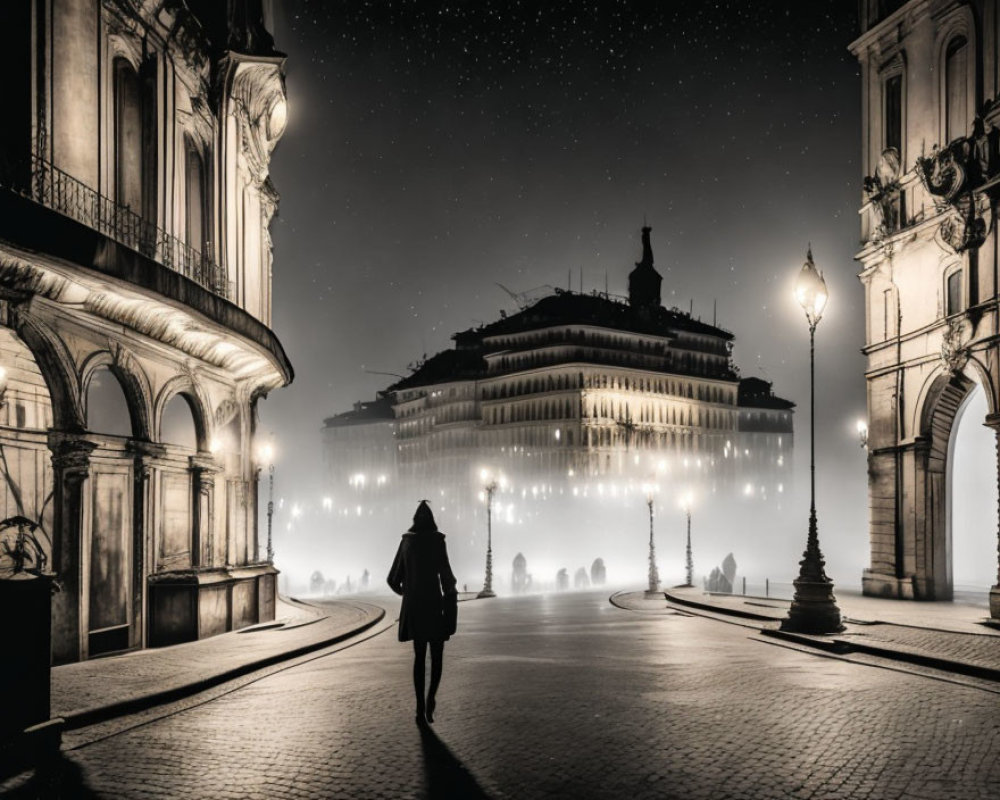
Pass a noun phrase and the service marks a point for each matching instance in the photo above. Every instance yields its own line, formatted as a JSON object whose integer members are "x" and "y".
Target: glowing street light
{"x": 814, "y": 608}
{"x": 266, "y": 456}
{"x": 654, "y": 576}
{"x": 490, "y": 487}
{"x": 686, "y": 503}
{"x": 863, "y": 433}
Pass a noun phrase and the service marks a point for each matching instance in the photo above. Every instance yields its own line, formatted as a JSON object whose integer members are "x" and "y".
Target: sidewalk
{"x": 944, "y": 635}
{"x": 102, "y": 688}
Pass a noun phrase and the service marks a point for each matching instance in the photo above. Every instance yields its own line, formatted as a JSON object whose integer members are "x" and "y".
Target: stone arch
{"x": 198, "y": 402}
{"x": 134, "y": 383}
{"x": 27, "y": 485}
{"x": 57, "y": 368}
{"x": 929, "y": 554}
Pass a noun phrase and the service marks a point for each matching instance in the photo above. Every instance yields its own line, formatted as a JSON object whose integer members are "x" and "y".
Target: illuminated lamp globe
{"x": 810, "y": 291}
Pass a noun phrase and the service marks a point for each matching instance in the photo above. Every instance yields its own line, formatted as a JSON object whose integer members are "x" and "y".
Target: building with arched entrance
{"x": 135, "y": 272}
{"x": 930, "y": 267}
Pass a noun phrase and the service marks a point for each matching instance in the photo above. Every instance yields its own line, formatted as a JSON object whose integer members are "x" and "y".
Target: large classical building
{"x": 135, "y": 305}
{"x": 578, "y": 394}
{"x": 929, "y": 266}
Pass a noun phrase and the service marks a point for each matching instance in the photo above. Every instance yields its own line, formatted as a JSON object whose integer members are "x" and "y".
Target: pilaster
{"x": 70, "y": 471}
{"x": 204, "y": 468}
{"x": 145, "y": 455}
{"x": 993, "y": 421}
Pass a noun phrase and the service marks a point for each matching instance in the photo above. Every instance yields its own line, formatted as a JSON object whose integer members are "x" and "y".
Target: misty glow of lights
{"x": 810, "y": 291}
{"x": 265, "y": 454}
{"x": 862, "y": 428}
{"x": 327, "y": 503}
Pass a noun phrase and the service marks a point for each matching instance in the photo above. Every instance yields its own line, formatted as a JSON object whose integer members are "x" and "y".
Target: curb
{"x": 733, "y": 612}
{"x": 842, "y": 646}
{"x": 75, "y": 720}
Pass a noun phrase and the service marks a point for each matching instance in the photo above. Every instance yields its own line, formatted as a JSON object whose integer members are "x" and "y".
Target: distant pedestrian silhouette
{"x": 422, "y": 575}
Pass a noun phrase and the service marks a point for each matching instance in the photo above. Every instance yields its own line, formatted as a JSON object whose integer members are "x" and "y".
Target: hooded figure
{"x": 422, "y": 574}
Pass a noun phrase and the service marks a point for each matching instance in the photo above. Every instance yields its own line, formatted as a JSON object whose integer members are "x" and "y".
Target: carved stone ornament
{"x": 225, "y": 411}
{"x": 258, "y": 93}
{"x": 954, "y": 345}
{"x": 952, "y": 175}
{"x": 883, "y": 192}
{"x": 967, "y": 226}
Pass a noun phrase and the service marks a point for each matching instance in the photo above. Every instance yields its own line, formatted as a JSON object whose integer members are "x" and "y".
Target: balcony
{"x": 48, "y": 186}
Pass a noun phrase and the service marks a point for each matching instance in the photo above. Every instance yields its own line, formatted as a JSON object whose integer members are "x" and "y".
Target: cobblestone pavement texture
{"x": 102, "y": 681}
{"x": 567, "y": 696}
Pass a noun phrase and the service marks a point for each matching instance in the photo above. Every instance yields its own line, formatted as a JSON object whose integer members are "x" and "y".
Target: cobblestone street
{"x": 567, "y": 696}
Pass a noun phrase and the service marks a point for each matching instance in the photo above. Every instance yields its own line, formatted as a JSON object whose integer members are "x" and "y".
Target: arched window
{"x": 107, "y": 408}
{"x": 195, "y": 206}
{"x": 177, "y": 425}
{"x": 134, "y": 140}
{"x": 956, "y": 95}
{"x": 953, "y": 288}
{"x": 128, "y": 136}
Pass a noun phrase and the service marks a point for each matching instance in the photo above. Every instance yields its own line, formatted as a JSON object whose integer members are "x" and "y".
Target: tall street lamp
{"x": 688, "y": 560}
{"x": 654, "y": 575}
{"x": 489, "y": 489}
{"x": 267, "y": 456}
{"x": 814, "y": 608}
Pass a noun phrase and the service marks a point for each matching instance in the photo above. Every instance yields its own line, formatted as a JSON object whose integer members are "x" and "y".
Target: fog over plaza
{"x": 433, "y": 153}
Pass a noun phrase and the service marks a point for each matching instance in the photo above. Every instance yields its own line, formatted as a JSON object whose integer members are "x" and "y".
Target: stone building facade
{"x": 135, "y": 274}
{"x": 929, "y": 266}
{"x": 574, "y": 396}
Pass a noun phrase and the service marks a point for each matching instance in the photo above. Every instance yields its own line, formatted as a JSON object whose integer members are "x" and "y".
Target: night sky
{"x": 436, "y": 149}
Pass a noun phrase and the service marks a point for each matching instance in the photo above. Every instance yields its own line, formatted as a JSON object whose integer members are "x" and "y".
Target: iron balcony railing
{"x": 49, "y": 186}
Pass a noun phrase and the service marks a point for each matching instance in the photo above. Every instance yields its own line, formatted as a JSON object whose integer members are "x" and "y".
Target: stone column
{"x": 993, "y": 421}
{"x": 70, "y": 470}
{"x": 144, "y": 533}
{"x": 203, "y": 471}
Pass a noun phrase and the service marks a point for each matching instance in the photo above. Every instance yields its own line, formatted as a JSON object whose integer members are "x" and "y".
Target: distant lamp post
{"x": 688, "y": 560}
{"x": 267, "y": 457}
{"x": 491, "y": 485}
{"x": 814, "y": 608}
{"x": 654, "y": 575}
{"x": 863, "y": 434}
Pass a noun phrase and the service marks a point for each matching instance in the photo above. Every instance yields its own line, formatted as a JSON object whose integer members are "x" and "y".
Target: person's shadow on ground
{"x": 446, "y": 776}
{"x": 56, "y": 778}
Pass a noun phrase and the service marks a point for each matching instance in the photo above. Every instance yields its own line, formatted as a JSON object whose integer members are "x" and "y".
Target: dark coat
{"x": 422, "y": 574}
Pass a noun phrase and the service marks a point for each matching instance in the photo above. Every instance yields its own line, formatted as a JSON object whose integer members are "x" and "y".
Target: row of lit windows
{"x": 640, "y": 383}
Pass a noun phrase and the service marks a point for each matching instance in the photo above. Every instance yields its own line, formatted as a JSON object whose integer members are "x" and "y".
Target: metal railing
{"x": 49, "y": 186}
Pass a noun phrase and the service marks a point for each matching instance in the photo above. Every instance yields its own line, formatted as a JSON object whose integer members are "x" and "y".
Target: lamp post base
{"x": 654, "y": 593}
{"x": 486, "y": 593}
{"x": 995, "y": 603}
{"x": 814, "y": 609}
